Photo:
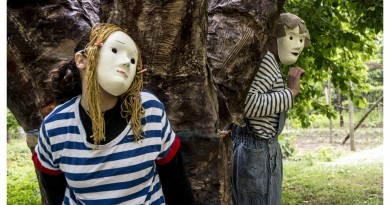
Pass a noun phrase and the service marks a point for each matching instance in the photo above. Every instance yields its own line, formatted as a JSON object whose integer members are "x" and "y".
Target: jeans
{"x": 257, "y": 170}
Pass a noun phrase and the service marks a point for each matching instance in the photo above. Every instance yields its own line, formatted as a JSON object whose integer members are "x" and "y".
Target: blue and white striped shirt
{"x": 119, "y": 172}
{"x": 267, "y": 98}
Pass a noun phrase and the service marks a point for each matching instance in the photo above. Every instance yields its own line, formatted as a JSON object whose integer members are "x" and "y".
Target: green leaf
{"x": 344, "y": 35}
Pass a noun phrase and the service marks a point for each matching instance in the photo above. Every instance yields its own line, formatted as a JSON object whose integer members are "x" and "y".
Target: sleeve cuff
{"x": 172, "y": 152}
{"x": 43, "y": 169}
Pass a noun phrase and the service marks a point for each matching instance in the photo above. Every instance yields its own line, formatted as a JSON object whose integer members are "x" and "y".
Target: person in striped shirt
{"x": 257, "y": 158}
{"x": 111, "y": 142}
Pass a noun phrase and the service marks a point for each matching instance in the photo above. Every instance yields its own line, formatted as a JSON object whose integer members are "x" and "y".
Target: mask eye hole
{"x": 114, "y": 50}
{"x": 301, "y": 40}
{"x": 132, "y": 61}
{"x": 291, "y": 38}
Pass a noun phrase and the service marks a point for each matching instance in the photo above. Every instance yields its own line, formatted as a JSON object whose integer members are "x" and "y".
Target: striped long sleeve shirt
{"x": 267, "y": 98}
{"x": 119, "y": 172}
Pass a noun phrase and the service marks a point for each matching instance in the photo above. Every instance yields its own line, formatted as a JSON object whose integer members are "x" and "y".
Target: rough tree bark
{"x": 201, "y": 57}
{"x": 39, "y": 35}
{"x": 237, "y": 33}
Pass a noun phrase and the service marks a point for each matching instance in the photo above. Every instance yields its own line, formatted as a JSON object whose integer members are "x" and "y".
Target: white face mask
{"x": 290, "y": 46}
{"x": 117, "y": 64}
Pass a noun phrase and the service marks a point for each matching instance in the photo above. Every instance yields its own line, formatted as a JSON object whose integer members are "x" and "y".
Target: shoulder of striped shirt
{"x": 271, "y": 58}
{"x": 70, "y": 105}
{"x": 148, "y": 95}
{"x": 271, "y": 55}
{"x": 60, "y": 108}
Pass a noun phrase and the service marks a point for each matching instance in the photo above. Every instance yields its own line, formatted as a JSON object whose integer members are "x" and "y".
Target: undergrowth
{"x": 22, "y": 183}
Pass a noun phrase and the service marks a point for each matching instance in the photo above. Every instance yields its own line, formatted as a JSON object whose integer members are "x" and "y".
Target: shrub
{"x": 288, "y": 148}
{"x": 12, "y": 125}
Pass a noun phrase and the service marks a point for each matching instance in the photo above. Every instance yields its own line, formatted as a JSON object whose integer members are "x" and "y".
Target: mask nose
{"x": 126, "y": 64}
{"x": 296, "y": 49}
{"x": 125, "y": 61}
{"x": 298, "y": 45}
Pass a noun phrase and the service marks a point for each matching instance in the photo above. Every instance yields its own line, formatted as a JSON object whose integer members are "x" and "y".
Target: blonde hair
{"x": 131, "y": 106}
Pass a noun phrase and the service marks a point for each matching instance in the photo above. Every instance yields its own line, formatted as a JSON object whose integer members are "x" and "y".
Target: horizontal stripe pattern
{"x": 119, "y": 172}
{"x": 267, "y": 97}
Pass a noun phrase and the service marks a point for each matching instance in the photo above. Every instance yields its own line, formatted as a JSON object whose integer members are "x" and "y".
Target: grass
{"x": 310, "y": 174}
{"x": 312, "y": 177}
{"x": 22, "y": 184}
{"x": 320, "y": 183}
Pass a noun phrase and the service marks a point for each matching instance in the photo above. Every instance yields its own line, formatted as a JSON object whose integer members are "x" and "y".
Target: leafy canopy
{"x": 343, "y": 37}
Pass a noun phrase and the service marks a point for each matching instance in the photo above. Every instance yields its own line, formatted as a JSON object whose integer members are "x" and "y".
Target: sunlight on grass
{"x": 22, "y": 183}
{"x": 309, "y": 177}
{"x": 323, "y": 183}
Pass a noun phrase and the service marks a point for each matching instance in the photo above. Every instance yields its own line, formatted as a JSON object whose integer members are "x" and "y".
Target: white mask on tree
{"x": 291, "y": 45}
{"x": 117, "y": 64}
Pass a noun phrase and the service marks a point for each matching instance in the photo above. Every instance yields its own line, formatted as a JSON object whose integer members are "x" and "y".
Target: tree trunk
{"x": 201, "y": 57}
{"x": 329, "y": 101}
{"x": 351, "y": 124}
{"x": 340, "y": 107}
{"x": 39, "y": 35}
{"x": 237, "y": 33}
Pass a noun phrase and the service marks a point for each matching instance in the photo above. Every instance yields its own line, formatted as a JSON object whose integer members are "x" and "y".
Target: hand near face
{"x": 294, "y": 79}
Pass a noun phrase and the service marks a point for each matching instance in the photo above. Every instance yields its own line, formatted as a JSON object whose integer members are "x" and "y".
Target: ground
{"x": 362, "y": 157}
{"x": 315, "y": 139}
{"x": 320, "y": 172}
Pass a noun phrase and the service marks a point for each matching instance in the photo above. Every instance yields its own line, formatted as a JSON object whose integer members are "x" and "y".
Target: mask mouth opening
{"x": 295, "y": 54}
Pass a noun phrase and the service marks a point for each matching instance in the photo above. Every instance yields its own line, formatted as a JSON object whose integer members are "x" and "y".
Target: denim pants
{"x": 257, "y": 170}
